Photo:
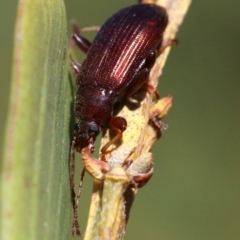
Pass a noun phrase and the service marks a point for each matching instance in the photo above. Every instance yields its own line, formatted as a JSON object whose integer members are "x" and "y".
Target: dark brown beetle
{"x": 118, "y": 63}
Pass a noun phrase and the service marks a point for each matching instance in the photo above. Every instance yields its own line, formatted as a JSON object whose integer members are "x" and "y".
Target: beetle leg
{"x": 148, "y": 2}
{"x": 119, "y": 124}
{"x": 151, "y": 59}
{"x": 141, "y": 78}
{"x": 169, "y": 43}
{"x": 80, "y": 41}
{"x": 152, "y": 90}
{"x": 75, "y": 66}
{"x": 90, "y": 29}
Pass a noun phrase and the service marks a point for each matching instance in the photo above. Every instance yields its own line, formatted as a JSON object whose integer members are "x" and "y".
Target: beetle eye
{"x": 94, "y": 128}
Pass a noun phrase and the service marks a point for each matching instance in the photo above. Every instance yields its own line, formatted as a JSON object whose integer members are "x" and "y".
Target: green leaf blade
{"x": 36, "y": 196}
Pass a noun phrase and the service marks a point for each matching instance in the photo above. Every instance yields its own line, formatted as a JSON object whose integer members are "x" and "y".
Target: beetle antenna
{"x": 75, "y": 224}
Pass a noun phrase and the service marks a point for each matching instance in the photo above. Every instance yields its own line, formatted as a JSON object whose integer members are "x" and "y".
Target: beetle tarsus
{"x": 75, "y": 66}
{"x": 167, "y": 44}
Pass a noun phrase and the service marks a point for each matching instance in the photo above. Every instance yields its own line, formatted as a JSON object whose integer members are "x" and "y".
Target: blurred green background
{"x": 195, "y": 191}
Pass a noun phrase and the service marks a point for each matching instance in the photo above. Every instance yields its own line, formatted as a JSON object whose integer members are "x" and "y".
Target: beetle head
{"x": 85, "y": 134}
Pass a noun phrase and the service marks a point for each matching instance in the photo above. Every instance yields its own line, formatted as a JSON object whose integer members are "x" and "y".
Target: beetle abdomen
{"x": 120, "y": 48}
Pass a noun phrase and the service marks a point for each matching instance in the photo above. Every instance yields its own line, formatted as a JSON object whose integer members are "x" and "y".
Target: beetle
{"x": 117, "y": 65}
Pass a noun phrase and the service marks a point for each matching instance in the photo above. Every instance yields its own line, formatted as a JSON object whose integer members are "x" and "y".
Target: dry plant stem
{"x": 129, "y": 165}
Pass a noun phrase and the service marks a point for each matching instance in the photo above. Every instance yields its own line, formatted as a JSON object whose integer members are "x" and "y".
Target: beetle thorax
{"x": 94, "y": 104}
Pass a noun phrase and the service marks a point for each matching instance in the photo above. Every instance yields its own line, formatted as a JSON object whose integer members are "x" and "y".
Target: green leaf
{"x": 35, "y": 181}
